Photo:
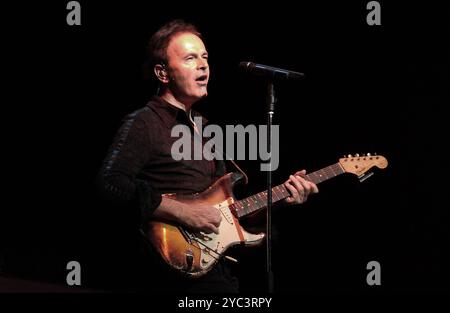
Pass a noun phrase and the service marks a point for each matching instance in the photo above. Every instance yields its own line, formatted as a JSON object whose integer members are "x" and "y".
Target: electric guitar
{"x": 194, "y": 253}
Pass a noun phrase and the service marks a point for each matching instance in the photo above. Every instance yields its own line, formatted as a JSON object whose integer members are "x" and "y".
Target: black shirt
{"x": 139, "y": 165}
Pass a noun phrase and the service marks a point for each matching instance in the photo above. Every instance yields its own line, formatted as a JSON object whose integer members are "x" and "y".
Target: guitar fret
{"x": 314, "y": 177}
{"x": 249, "y": 206}
{"x": 324, "y": 174}
{"x": 275, "y": 195}
{"x": 255, "y": 201}
{"x": 245, "y": 203}
{"x": 277, "y": 192}
{"x": 338, "y": 168}
{"x": 320, "y": 177}
{"x": 261, "y": 196}
{"x": 284, "y": 192}
{"x": 331, "y": 171}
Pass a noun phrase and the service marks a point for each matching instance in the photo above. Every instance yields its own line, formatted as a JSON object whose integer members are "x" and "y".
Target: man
{"x": 139, "y": 166}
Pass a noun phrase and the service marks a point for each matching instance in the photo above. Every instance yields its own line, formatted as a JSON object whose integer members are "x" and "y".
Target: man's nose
{"x": 202, "y": 64}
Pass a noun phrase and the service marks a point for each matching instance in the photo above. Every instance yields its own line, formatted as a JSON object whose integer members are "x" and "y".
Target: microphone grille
{"x": 246, "y": 65}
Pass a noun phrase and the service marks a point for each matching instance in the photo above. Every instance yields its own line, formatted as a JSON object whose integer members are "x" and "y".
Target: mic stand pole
{"x": 270, "y": 112}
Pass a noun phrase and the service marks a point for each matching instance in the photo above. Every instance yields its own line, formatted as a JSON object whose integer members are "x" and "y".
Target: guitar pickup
{"x": 205, "y": 237}
{"x": 363, "y": 177}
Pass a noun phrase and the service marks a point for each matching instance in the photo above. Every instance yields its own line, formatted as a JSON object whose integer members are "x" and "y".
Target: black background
{"x": 367, "y": 89}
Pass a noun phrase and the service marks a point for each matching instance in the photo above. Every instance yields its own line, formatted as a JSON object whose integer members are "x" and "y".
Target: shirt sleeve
{"x": 119, "y": 177}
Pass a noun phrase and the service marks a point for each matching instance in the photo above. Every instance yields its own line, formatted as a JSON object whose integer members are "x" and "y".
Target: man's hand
{"x": 200, "y": 217}
{"x": 299, "y": 187}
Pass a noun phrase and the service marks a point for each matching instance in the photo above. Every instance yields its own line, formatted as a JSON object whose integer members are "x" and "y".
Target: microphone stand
{"x": 271, "y": 73}
{"x": 270, "y": 112}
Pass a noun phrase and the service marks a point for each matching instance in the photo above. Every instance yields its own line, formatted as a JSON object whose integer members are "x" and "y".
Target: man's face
{"x": 187, "y": 67}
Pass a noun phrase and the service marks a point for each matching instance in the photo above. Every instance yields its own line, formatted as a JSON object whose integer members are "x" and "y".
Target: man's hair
{"x": 157, "y": 46}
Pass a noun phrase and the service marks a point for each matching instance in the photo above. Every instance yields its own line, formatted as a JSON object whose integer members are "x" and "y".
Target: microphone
{"x": 269, "y": 71}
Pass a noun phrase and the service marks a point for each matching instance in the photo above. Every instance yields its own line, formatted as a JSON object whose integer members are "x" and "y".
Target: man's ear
{"x": 161, "y": 73}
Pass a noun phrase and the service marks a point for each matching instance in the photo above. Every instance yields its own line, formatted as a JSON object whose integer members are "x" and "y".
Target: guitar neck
{"x": 259, "y": 201}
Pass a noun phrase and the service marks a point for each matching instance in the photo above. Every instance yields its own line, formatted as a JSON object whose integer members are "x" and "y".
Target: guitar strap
{"x": 226, "y": 158}
{"x": 239, "y": 170}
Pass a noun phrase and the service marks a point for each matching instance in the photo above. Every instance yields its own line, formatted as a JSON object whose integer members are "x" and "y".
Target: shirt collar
{"x": 170, "y": 114}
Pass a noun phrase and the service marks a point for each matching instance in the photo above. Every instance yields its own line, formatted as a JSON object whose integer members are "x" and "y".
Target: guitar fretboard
{"x": 259, "y": 201}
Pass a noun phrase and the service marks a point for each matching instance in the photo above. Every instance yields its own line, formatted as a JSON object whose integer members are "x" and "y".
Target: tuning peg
{"x": 349, "y": 156}
{"x": 375, "y": 153}
{"x": 357, "y": 155}
{"x": 368, "y": 154}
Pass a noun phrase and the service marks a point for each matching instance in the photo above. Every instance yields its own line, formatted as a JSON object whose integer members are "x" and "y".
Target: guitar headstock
{"x": 359, "y": 165}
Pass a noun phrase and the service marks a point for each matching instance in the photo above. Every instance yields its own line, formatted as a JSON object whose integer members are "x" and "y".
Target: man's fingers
{"x": 315, "y": 189}
{"x": 292, "y": 189}
{"x": 214, "y": 229}
{"x": 216, "y": 221}
{"x": 299, "y": 185}
{"x": 301, "y": 173}
{"x": 209, "y": 228}
{"x": 309, "y": 187}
